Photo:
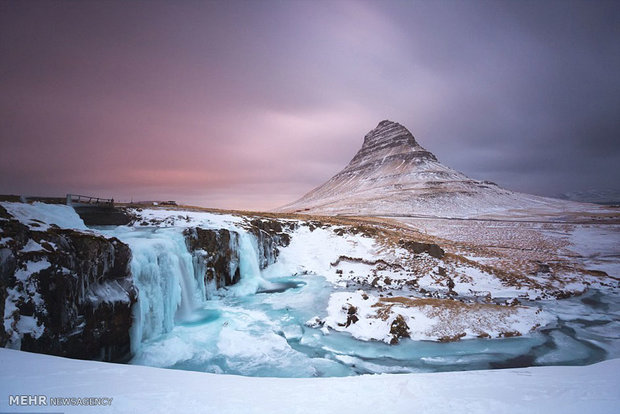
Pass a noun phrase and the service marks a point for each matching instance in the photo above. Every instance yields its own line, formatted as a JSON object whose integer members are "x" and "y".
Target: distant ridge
{"x": 604, "y": 196}
{"x": 393, "y": 175}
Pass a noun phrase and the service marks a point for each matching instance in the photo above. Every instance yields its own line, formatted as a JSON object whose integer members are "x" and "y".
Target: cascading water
{"x": 164, "y": 274}
{"x": 251, "y": 279}
{"x": 171, "y": 282}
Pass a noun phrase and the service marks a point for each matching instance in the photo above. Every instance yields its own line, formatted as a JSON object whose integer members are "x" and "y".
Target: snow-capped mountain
{"x": 392, "y": 175}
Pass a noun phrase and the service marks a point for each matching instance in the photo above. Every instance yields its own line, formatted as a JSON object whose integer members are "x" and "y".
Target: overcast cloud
{"x": 252, "y": 104}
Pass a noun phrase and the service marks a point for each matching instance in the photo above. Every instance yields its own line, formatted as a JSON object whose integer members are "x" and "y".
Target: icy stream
{"x": 256, "y": 327}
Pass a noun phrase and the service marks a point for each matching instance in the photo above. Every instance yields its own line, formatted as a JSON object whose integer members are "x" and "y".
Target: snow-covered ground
{"x": 137, "y": 389}
{"x": 428, "y": 318}
{"x": 39, "y": 216}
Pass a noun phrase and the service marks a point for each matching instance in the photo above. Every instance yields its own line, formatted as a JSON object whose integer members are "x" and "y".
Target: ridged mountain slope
{"x": 392, "y": 175}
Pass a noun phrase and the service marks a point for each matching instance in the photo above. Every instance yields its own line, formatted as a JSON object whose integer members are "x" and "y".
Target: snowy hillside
{"x": 392, "y": 175}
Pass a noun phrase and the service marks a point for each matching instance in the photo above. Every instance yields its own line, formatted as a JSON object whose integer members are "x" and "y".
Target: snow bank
{"x": 428, "y": 319}
{"x": 546, "y": 390}
{"x": 39, "y": 216}
{"x": 185, "y": 218}
{"x": 314, "y": 251}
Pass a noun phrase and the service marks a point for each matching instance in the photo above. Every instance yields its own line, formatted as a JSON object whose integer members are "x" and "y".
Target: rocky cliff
{"x": 64, "y": 292}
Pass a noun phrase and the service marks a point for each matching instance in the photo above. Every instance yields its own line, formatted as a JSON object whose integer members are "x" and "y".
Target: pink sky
{"x": 251, "y": 104}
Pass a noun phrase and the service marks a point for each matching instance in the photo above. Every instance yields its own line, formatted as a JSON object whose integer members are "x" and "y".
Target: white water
{"x": 171, "y": 282}
{"x": 251, "y": 278}
{"x": 163, "y": 270}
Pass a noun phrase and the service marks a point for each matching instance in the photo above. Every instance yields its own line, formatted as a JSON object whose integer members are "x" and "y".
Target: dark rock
{"x": 68, "y": 298}
{"x": 270, "y": 235}
{"x": 564, "y": 294}
{"x": 219, "y": 254}
{"x": 351, "y": 316}
{"x": 543, "y": 268}
{"x": 399, "y": 329}
{"x": 510, "y": 334}
{"x": 417, "y": 248}
{"x": 351, "y": 319}
{"x": 450, "y": 284}
{"x": 104, "y": 215}
{"x": 452, "y": 338}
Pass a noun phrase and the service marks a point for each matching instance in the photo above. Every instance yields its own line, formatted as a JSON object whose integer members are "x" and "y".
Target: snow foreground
{"x": 137, "y": 389}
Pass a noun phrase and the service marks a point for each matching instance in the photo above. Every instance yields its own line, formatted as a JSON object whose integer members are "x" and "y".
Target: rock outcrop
{"x": 216, "y": 251}
{"x": 392, "y": 175}
{"x": 64, "y": 292}
{"x": 216, "y": 255}
{"x": 103, "y": 215}
{"x": 270, "y": 234}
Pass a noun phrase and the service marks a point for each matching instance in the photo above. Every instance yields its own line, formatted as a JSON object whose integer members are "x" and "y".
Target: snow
{"x": 479, "y": 283}
{"x": 12, "y": 295}
{"x": 39, "y": 216}
{"x": 599, "y": 246}
{"x": 32, "y": 246}
{"x": 25, "y": 290}
{"x": 243, "y": 330}
{"x": 109, "y": 292}
{"x": 546, "y": 390}
{"x": 430, "y": 319}
{"x": 185, "y": 218}
{"x": 31, "y": 268}
{"x": 314, "y": 251}
{"x": 29, "y": 324}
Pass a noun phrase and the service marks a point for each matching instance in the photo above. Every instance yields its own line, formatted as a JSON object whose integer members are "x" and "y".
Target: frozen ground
{"x": 134, "y": 389}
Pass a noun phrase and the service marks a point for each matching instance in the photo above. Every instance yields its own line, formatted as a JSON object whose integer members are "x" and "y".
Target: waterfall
{"x": 251, "y": 278}
{"x": 163, "y": 271}
{"x": 171, "y": 280}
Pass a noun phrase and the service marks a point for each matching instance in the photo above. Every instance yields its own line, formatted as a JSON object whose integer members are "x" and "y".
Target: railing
{"x": 82, "y": 199}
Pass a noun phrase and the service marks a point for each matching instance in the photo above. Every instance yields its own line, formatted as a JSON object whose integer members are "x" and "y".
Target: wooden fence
{"x": 82, "y": 199}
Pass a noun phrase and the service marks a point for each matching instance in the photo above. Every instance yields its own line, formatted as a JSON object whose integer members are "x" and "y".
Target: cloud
{"x": 250, "y": 105}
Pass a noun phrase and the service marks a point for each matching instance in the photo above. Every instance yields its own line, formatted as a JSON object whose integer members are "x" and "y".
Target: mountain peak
{"x": 389, "y": 142}
{"x": 389, "y": 132}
